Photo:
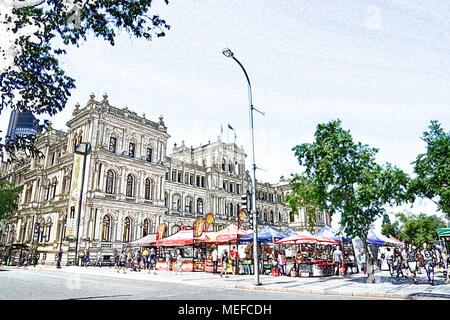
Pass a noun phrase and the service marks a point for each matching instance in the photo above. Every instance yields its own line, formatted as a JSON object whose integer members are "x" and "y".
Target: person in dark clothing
{"x": 59, "y": 258}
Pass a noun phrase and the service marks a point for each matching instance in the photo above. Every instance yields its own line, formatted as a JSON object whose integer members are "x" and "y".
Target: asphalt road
{"x": 34, "y": 284}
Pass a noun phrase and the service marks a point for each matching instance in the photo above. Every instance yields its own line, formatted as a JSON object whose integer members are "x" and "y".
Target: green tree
{"x": 419, "y": 229}
{"x": 34, "y": 81}
{"x": 433, "y": 168}
{"x": 390, "y": 229}
{"x": 342, "y": 176}
{"x": 9, "y": 196}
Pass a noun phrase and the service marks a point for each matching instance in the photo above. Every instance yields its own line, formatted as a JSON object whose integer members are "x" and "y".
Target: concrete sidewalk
{"x": 351, "y": 286}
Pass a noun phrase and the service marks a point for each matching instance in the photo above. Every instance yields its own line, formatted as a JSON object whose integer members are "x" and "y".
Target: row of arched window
{"x": 188, "y": 204}
{"x": 106, "y": 230}
{"x": 130, "y": 188}
{"x": 131, "y": 149}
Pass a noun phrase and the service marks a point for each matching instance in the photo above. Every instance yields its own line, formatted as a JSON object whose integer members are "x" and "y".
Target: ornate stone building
{"x": 132, "y": 185}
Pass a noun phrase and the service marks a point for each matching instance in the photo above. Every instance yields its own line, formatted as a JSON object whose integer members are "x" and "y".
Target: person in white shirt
{"x": 179, "y": 263}
{"x": 337, "y": 260}
{"x": 215, "y": 257}
{"x": 404, "y": 255}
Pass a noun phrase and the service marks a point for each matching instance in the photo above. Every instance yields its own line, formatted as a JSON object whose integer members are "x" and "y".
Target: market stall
{"x": 347, "y": 248}
{"x": 225, "y": 238}
{"x": 267, "y": 236}
{"x": 378, "y": 244}
{"x": 313, "y": 255}
{"x": 192, "y": 250}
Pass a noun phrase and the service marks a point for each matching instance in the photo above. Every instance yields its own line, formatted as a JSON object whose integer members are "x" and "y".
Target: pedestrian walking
{"x": 224, "y": 258}
{"x": 404, "y": 254}
{"x": 437, "y": 253}
{"x": 27, "y": 261}
{"x": 444, "y": 258}
{"x": 379, "y": 259}
{"x": 362, "y": 259}
{"x": 179, "y": 263}
{"x": 122, "y": 262}
{"x": 86, "y": 258}
{"x": 412, "y": 262}
{"x": 429, "y": 261}
{"x": 145, "y": 261}
{"x": 59, "y": 258}
{"x": 282, "y": 263}
{"x": 98, "y": 261}
{"x": 215, "y": 259}
{"x": 337, "y": 260}
{"x": 390, "y": 261}
{"x": 168, "y": 261}
{"x": 234, "y": 260}
{"x": 152, "y": 259}
{"x": 398, "y": 263}
{"x": 130, "y": 258}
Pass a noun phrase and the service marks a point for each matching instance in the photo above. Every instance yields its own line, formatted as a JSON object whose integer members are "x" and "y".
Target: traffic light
{"x": 37, "y": 226}
{"x": 244, "y": 202}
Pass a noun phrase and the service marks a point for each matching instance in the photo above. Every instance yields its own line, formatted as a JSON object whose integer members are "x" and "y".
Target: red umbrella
{"x": 297, "y": 239}
{"x": 148, "y": 240}
{"x": 181, "y": 238}
{"x": 230, "y": 233}
{"x": 325, "y": 240}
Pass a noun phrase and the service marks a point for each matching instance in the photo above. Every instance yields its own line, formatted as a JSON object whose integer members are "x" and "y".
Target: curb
{"x": 267, "y": 287}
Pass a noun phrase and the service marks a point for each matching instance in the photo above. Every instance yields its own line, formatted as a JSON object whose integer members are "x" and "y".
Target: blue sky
{"x": 382, "y": 67}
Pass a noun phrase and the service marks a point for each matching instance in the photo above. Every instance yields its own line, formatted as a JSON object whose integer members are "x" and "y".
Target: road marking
{"x": 174, "y": 295}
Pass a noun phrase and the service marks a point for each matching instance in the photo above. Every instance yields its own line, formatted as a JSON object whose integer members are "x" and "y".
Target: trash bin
{"x": 275, "y": 272}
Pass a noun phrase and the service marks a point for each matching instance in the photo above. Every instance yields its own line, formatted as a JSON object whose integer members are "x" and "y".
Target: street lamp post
{"x": 84, "y": 149}
{"x": 229, "y": 54}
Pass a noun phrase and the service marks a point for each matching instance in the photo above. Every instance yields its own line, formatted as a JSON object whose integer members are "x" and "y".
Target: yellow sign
{"x": 161, "y": 231}
{"x": 209, "y": 220}
{"x": 198, "y": 227}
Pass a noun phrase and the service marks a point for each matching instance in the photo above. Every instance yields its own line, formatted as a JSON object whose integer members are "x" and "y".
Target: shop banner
{"x": 75, "y": 191}
{"x": 208, "y": 220}
{"x": 161, "y": 231}
{"x": 198, "y": 227}
{"x": 242, "y": 217}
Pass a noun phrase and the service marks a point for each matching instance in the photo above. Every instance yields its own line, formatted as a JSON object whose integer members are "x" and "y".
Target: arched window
{"x": 130, "y": 186}
{"x": 223, "y": 165}
{"x": 176, "y": 203}
{"x": 231, "y": 210}
{"x": 271, "y": 216}
{"x": 148, "y": 189}
{"x": 113, "y": 144}
{"x": 24, "y": 231}
{"x": 131, "y": 149}
{"x": 106, "y": 228}
{"x": 48, "y": 229}
{"x": 47, "y": 190}
{"x": 54, "y": 184}
{"x": 110, "y": 182}
{"x": 126, "y": 230}
{"x": 149, "y": 155}
{"x": 166, "y": 200}
{"x": 72, "y": 212}
{"x": 188, "y": 205}
{"x": 199, "y": 205}
{"x": 146, "y": 228}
